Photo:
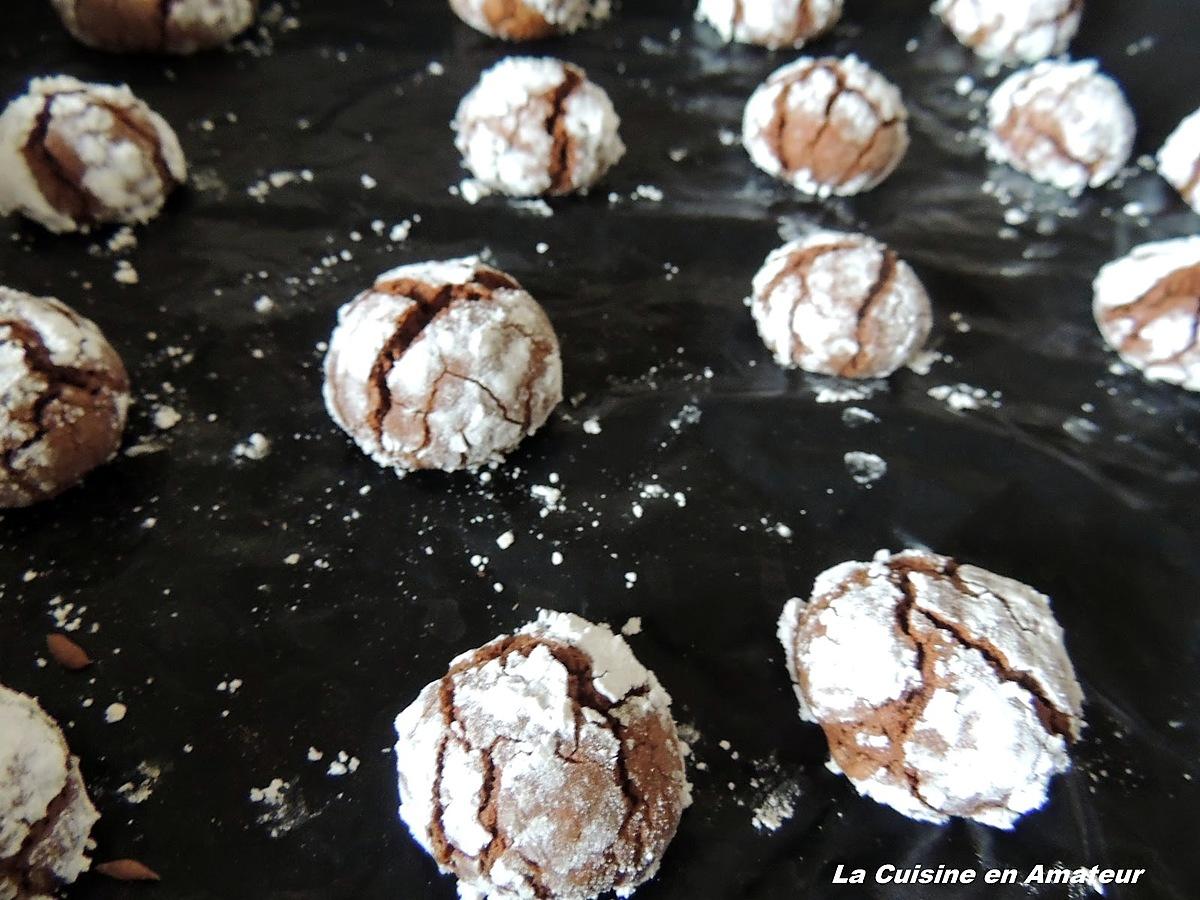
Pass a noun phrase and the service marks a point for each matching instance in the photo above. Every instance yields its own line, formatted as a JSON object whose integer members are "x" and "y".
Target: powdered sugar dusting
{"x": 1012, "y": 30}
{"x": 1179, "y": 160}
{"x": 770, "y": 23}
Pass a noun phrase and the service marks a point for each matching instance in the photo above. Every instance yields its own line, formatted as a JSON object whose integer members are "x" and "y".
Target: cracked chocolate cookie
{"x": 544, "y": 764}
{"x": 536, "y": 127}
{"x": 770, "y": 23}
{"x": 1179, "y": 160}
{"x": 527, "y": 20}
{"x": 46, "y": 817}
{"x": 64, "y": 396}
{"x": 1012, "y": 31}
{"x": 1147, "y": 305}
{"x": 74, "y": 154}
{"x": 442, "y": 365}
{"x": 1066, "y": 124}
{"x": 826, "y": 126}
{"x": 944, "y": 690}
{"x": 155, "y": 26}
{"x": 840, "y": 304}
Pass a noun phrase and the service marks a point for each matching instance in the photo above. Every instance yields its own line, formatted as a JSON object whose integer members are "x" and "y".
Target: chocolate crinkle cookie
{"x": 944, "y": 690}
{"x": 529, "y": 20}
{"x": 840, "y": 304}
{"x": 1066, "y": 124}
{"x": 442, "y": 365}
{"x": 826, "y": 126}
{"x": 537, "y": 127}
{"x": 46, "y": 817}
{"x": 774, "y": 24}
{"x": 155, "y": 26}
{"x": 1012, "y": 31}
{"x": 74, "y": 154}
{"x": 64, "y": 396}
{"x": 1179, "y": 160}
{"x": 544, "y": 764}
{"x": 1147, "y": 305}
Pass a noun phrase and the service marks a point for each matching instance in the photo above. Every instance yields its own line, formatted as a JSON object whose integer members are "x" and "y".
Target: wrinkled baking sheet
{"x": 175, "y": 559}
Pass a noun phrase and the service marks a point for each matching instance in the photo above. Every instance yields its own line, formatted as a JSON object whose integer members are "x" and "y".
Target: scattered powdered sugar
{"x": 285, "y": 809}
{"x": 865, "y": 468}
{"x": 139, "y": 791}
{"x": 776, "y": 806}
{"x": 255, "y": 447}
{"x": 962, "y": 397}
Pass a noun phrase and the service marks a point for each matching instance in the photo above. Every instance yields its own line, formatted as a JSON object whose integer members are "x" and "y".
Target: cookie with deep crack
{"x": 773, "y": 24}
{"x": 64, "y": 396}
{"x": 826, "y": 126}
{"x": 1179, "y": 160}
{"x": 840, "y": 304}
{"x": 1012, "y": 31}
{"x": 46, "y": 817}
{"x": 534, "y": 127}
{"x": 544, "y": 764}
{"x": 155, "y": 26}
{"x": 1147, "y": 306}
{"x": 74, "y": 154}
{"x": 527, "y": 20}
{"x": 944, "y": 690}
{"x": 442, "y": 365}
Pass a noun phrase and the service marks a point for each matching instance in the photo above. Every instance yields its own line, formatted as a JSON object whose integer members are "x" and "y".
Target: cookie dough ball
{"x": 944, "y": 690}
{"x": 1179, "y": 160}
{"x": 155, "y": 26}
{"x": 826, "y": 126}
{"x": 770, "y": 23}
{"x": 840, "y": 304}
{"x": 64, "y": 396}
{"x": 74, "y": 155}
{"x": 1147, "y": 305}
{"x": 45, "y": 814}
{"x": 536, "y": 127}
{"x": 1012, "y": 31}
{"x": 1062, "y": 123}
{"x": 544, "y": 764}
{"x": 442, "y": 365}
{"x": 524, "y": 20}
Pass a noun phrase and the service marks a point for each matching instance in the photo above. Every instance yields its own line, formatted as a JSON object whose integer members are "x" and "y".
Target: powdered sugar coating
{"x": 535, "y": 126}
{"x": 38, "y": 772}
{"x": 826, "y": 126}
{"x": 523, "y": 781}
{"x": 944, "y": 690}
{"x": 1179, "y": 160}
{"x": 1147, "y": 306}
{"x": 840, "y": 304}
{"x": 477, "y": 376}
{"x": 1062, "y": 123}
{"x": 524, "y": 19}
{"x": 113, "y": 158}
{"x": 1013, "y": 31}
{"x": 770, "y": 23}
{"x": 171, "y": 26}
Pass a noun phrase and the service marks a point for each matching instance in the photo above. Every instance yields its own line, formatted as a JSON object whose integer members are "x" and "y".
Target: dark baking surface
{"x": 329, "y": 649}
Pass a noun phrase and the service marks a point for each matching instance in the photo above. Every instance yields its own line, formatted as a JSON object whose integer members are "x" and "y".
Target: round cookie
{"x": 534, "y": 127}
{"x": 64, "y": 396}
{"x": 826, "y": 126}
{"x": 1147, "y": 306}
{"x": 74, "y": 154}
{"x": 1062, "y": 123}
{"x": 944, "y": 690}
{"x": 770, "y": 23}
{"x": 1012, "y": 31}
{"x": 45, "y": 814}
{"x": 840, "y": 304}
{"x": 155, "y": 26}
{"x": 544, "y": 764}
{"x": 1179, "y": 160}
{"x": 524, "y": 20}
{"x": 442, "y": 365}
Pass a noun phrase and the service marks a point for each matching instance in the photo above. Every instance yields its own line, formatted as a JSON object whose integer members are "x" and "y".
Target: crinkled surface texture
{"x": 840, "y": 304}
{"x": 1147, "y": 305}
{"x": 544, "y": 764}
{"x": 64, "y": 396}
{"x": 1013, "y": 31}
{"x": 826, "y": 126}
{"x": 442, "y": 365}
{"x": 944, "y": 690}
{"x": 526, "y": 20}
{"x": 74, "y": 154}
{"x": 45, "y": 814}
{"x": 1063, "y": 123}
{"x": 1179, "y": 160}
{"x": 774, "y": 24}
{"x": 155, "y": 26}
{"x": 535, "y": 126}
